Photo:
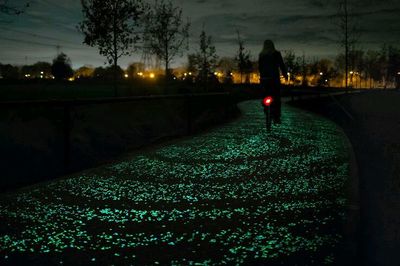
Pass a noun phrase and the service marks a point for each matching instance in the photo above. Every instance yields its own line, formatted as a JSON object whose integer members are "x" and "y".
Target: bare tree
{"x": 372, "y": 67}
{"x": 389, "y": 63}
{"x": 206, "y": 57}
{"x": 111, "y": 26}
{"x": 192, "y": 64}
{"x": 243, "y": 58}
{"x": 227, "y": 65}
{"x": 349, "y": 33}
{"x": 393, "y": 63}
{"x": 293, "y": 64}
{"x": 166, "y": 33}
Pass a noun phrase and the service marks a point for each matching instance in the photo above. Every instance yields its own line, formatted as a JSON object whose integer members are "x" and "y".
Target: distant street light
{"x": 321, "y": 73}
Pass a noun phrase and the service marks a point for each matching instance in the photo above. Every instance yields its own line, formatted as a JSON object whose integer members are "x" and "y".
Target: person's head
{"x": 268, "y": 48}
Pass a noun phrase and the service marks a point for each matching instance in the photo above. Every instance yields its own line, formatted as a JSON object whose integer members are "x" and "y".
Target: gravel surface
{"x": 233, "y": 195}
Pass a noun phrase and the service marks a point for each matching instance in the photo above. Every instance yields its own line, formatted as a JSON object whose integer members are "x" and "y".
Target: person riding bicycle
{"x": 269, "y": 62}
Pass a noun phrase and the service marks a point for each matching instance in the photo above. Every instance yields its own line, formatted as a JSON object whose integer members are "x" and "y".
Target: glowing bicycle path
{"x": 233, "y": 195}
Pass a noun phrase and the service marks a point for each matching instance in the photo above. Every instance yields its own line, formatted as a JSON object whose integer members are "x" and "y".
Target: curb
{"x": 350, "y": 253}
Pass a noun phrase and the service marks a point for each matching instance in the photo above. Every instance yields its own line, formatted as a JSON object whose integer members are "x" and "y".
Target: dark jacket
{"x": 269, "y": 65}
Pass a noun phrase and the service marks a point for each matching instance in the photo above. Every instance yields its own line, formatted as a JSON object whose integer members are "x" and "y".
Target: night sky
{"x": 300, "y": 25}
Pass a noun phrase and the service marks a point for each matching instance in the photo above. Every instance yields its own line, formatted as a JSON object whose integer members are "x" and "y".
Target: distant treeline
{"x": 59, "y": 69}
{"x": 370, "y": 68}
{"x": 367, "y": 69}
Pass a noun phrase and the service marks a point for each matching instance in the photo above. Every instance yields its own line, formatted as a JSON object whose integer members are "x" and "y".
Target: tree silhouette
{"x": 61, "y": 68}
{"x": 227, "y": 65}
{"x": 9, "y": 72}
{"x": 372, "y": 67}
{"x": 243, "y": 58}
{"x": 192, "y": 64}
{"x": 134, "y": 68}
{"x": 389, "y": 63}
{"x": 84, "y": 72}
{"x": 166, "y": 32}
{"x": 107, "y": 73}
{"x": 349, "y": 33}
{"x": 324, "y": 70}
{"x": 206, "y": 58}
{"x": 393, "y": 63}
{"x": 110, "y": 25}
{"x": 293, "y": 64}
{"x": 37, "y": 70}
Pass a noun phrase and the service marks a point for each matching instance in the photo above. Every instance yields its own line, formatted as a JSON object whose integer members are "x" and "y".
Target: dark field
{"x": 82, "y": 89}
{"x": 49, "y": 89}
{"x": 33, "y": 136}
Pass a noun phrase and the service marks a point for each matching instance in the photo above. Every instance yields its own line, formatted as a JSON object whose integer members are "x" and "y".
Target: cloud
{"x": 300, "y": 25}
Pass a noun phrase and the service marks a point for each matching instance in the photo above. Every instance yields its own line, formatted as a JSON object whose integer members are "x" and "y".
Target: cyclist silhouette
{"x": 269, "y": 62}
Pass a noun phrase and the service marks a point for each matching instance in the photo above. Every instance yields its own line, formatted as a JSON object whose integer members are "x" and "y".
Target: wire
{"x": 59, "y": 7}
{"x": 37, "y": 35}
{"x": 40, "y": 43}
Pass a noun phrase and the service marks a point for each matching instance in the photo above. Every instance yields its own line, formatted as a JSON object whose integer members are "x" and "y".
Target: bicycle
{"x": 267, "y": 101}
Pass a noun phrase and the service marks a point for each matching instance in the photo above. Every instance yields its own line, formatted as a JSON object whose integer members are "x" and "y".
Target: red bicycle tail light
{"x": 268, "y": 101}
